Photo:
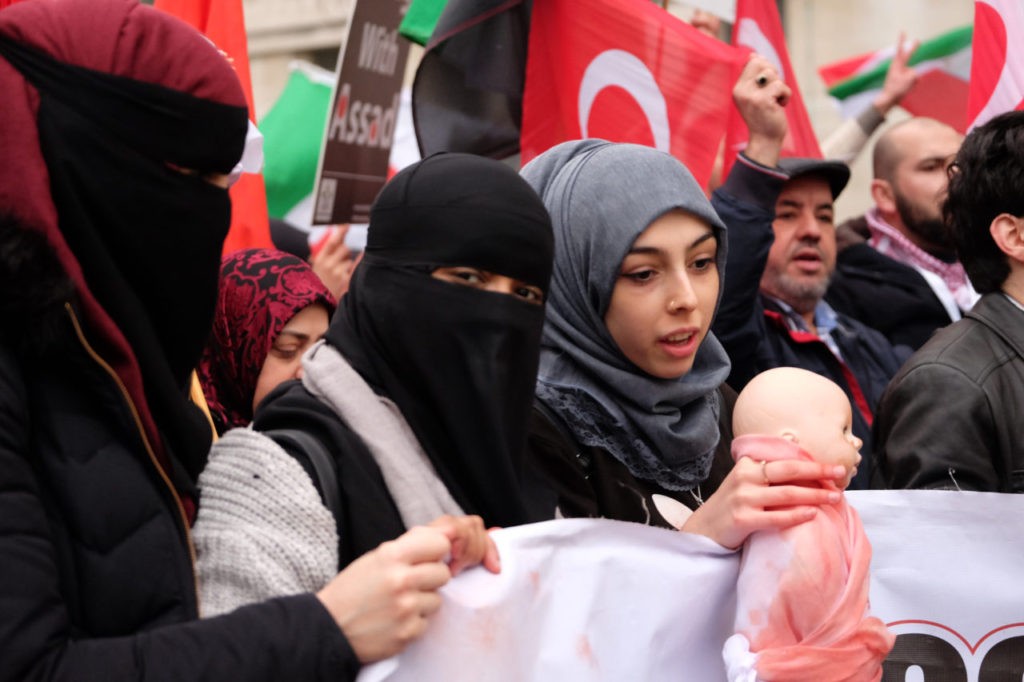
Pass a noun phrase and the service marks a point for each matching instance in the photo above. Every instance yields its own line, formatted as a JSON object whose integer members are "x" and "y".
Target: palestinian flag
{"x": 944, "y": 67}
{"x": 293, "y": 131}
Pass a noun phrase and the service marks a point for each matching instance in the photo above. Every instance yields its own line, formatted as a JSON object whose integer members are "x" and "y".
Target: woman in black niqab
{"x": 100, "y": 106}
{"x": 459, "y": 362}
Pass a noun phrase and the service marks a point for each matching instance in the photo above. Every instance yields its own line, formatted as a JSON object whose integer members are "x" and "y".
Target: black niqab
{"x": 459, "y": 362}
{"x": 146, "y": 237}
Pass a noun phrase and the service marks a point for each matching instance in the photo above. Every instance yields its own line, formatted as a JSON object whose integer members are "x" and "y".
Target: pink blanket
{"x": 802, "y": 594}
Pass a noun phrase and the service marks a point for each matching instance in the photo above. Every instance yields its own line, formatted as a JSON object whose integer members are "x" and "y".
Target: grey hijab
{"x": 601, "y": 196}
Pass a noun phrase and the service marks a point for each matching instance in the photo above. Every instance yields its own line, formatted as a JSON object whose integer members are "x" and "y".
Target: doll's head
{"x": 802, "y": 407}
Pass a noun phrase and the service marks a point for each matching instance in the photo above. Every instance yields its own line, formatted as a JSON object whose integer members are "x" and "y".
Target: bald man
{"x": 896, "y": 269}
{"x": 950, "y": 419}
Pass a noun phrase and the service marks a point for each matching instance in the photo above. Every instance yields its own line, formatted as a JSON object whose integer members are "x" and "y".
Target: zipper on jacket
{"x": 146, "y": 444}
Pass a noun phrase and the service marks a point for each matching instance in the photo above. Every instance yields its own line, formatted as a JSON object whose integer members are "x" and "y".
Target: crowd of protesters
{"x": 511, "y": 347}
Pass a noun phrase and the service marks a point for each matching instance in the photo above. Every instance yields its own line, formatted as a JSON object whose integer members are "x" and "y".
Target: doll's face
{"x": 827, "y": 434}
{"x": 802, "y": 407}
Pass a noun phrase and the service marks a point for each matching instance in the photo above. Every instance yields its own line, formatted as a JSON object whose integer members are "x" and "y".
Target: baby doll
{"x": 802, "y": 593}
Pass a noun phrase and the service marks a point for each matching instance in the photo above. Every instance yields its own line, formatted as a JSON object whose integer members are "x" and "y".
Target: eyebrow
{"x": 298, "y": 335}
{"x": 931, "y": 158}
{"x": 653, "y": 249}
{"x": 792, "y": 203}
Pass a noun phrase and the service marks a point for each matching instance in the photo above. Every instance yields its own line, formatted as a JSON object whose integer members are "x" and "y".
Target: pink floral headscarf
{"x": 260, "y": 291}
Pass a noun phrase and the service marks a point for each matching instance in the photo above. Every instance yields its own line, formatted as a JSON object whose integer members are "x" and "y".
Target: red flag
{"x": 759, "y": 28}
{"x": 223, "y": 22}
{"x": 997, "y": 60}
{"x": 627, "y": 71}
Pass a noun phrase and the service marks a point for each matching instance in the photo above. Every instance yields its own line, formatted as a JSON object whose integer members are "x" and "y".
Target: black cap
{"x": 836, "y": 173}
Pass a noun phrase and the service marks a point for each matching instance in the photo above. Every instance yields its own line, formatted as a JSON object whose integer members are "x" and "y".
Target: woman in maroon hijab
{"x": 118, "y": 127}
{"x": 271, "y": 307}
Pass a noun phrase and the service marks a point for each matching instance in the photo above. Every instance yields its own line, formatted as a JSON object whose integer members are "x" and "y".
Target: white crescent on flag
{"x": 628, "y": 71}
{"x": 622, "y": 69}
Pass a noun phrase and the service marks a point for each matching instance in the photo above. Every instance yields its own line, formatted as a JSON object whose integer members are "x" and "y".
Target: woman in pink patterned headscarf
{"x": 271, "y": 307}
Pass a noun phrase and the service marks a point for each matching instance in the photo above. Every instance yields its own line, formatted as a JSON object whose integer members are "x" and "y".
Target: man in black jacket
{"x": 896, "y": 269}
{"x": 781, "y": 255}
{"x": 951, "y": 417}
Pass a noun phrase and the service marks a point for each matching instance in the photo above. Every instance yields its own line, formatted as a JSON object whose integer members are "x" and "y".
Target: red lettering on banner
{"x": 942, "y": 654}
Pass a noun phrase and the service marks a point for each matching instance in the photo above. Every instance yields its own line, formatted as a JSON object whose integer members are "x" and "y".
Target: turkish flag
{"x": 997, "y": 60}
{"x": 626, "y": 71}
{"x": 223, "y": 22}
{"x": 759, "y": 28}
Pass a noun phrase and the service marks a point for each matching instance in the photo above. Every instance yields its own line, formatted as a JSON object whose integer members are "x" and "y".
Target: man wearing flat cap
{"x": 782, "y": 253}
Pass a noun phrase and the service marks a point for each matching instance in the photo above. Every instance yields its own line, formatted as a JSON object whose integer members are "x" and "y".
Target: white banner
{"x": 591, "y": 599}
{"x": 947, "y": 577}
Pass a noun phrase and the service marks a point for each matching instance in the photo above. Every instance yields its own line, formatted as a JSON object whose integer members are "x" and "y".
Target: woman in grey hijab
{"x": 632, "y": 418}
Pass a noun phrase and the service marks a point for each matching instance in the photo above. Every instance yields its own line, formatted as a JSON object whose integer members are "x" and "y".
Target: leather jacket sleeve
{"x": 934, "y": 429}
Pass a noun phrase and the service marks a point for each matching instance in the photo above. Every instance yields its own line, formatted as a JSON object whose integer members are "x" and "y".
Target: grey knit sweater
{"x": 262, "y": 530}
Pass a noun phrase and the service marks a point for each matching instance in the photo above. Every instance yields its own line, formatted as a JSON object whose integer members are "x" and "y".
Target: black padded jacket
{"x": 96, "y": 566}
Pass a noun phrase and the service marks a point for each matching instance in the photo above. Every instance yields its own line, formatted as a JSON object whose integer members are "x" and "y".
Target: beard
{"x": 802, "y": 295}
{"x": 931, "y": 229}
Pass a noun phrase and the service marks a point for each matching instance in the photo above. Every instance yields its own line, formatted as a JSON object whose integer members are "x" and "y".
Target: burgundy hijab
{"x": 99, "y": 96}
{"x": 261, "y": 290}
